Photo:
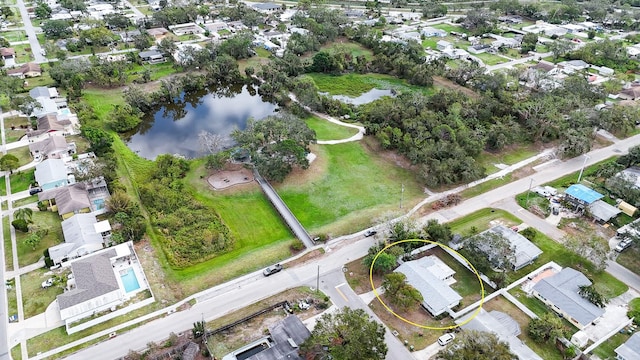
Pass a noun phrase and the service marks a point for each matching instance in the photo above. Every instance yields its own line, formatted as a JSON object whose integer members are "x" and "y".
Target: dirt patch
{"x": 358, "y": 277}
{"x": 173, "y": 346}
{"x": 306, "y": 258}
{"x": 317, "y": 169}
{"x": 446, "y": 83}
{"x": 231, "y": 175}
{"x": 165, "y": 290}
{"x": 392, "y": 157}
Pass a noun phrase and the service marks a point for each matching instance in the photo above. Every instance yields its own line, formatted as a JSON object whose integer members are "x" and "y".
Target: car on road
{"x": 272, "y": 270}
{"x": 446, "y": 338}
{"x": 623, "y": 245}
{"x": 34, "y": 191}
{"x": 370, "y": 233}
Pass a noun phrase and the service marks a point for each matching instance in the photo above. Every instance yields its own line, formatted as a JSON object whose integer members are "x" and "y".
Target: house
{"x": 560, "y": 292}
{"x": 186, "y": 29}
{"x": 525, "y": 251}
{"x": 581, "y": 196}
{"x": 53, "y": 147}
{"x": 68, "y": 200}
{"x": 412, "y": 35}
{"x": 603, "y": 212}
{"x": 158, "y": 33}
{"x": 433, "y": 32}
{"x": 443, "y": 45}
{"x": 129, "y": 36}
{"x": 101, "y": 282}
{"x": 630, "y": 350}
{"x": 631, "y": 175}
{"x": 505, "y": 328}
{"x": 353, "y": 13}
{"x": 285, "y": 337}
{"x": 182, "y": 55}
{"x": 216, "y": 26}
{"x": 574, "y": 65}
{"x": 632, "y": 93}
{"x": 51, "y": 173}
{"x": 478, "y": 49}
{"x": 43, "y": 92}
{"x": 431, "y": 277}
{"x": 83, "y": 234}
{"x": 7, "y": 53}
{"x": 152, "y": 56}
{"x": 50, "y": 123}
{"x": 267, "y": 8}
{"x": 27, "y": 70}
{"x": 236, "y": 25}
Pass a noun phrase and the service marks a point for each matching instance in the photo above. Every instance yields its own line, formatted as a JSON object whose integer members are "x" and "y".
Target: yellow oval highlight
{"x": 375, "y": 292}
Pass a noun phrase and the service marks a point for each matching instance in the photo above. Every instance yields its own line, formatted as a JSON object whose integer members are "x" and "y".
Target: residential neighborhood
{"x": 319, "y": 180}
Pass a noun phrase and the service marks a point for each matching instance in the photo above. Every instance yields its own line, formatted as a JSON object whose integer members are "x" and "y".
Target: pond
{"x": 174, "y": 128}
{"x": 369, "y": 96}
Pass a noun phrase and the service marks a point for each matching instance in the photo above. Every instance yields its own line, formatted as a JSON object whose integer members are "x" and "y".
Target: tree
{"x": 143, "y": 41}
{"x": 323, "y": 62}
{"x": 494, "y": 247}
{"x": 559, "y": 48}
{"x": 167, "y": 47}
{"x": 529, "y": 42}
{"x": 198, "y": 329}
{"x": 124, "y": 118}
{"x": 42, "y": 10}
{"x": 33, "y": 240}
{"x": 438, "y": 232}
{"x": 589, "y": 247}
{"x": 117, "y": 21}
{"x": 476, "y": 345}
{"x": 546, "y": 328}
{"x": 119, "y": 201}
{"x": 9, "y": 163}
{"x": 24, "y": 214}
{"x": 99, "y": 139}
{"x": 57, "y": 29}
{"x": 592, "y": 294}
{"x": 237, "y": 46}
{"x": 399, "y": 292}
{"x": 20, "y": 225}
{"x": 346, "y": 335}
{"x": 97, "y": 36}
{"x": 384, "y": 263}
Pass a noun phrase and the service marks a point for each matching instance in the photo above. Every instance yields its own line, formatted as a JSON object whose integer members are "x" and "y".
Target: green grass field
{"x": 355, "y": 85}
{"x": 450, "y": 28}
{"x": 17, "y": 132}
{"x": 490, "y": 59}
{"x": 48, "y": 219}
{"x": 481, "y": 219}
{"x": 348, "y": 46}
{"x": 158, "y": 71}
{"x": 606, "y": 349}
{"x": 20, "y": 181}
{"x": 23, "y": 154}
{"x": 350, "y": 187}
{"x": 630, "y": 259}
{"x": 103, "y": 100}
{"x": 35, "y": 299}
{"x": 326, "y": 130}
{"x": 8, "y": 249}
{"x": 508, "y": 157}
{"x": 25, "y": 201}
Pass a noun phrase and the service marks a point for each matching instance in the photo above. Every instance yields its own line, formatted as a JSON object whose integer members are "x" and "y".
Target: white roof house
{"x": 525, "y": 251}
{"x": 51, "y": 173}
{"x": 80, "y": 238}
{"x": 430, "y": 276}
{"x": 630, "y": 350}
{"x": 505, "y": 327}
{"x": 560, "y": 291}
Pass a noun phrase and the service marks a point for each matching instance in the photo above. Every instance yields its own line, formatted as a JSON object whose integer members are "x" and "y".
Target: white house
{"x": 83, "y": 234}
{"x": 630, "y": 350}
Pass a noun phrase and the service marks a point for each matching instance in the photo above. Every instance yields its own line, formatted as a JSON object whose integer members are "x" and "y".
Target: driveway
{"x": 615, "y": 314}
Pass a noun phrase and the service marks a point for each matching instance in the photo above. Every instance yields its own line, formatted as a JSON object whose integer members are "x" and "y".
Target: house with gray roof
{"x": 53, "y": 147}
{"x": 68, "y": 200}
{"x": 526, "y": 252}
{"x": 603, "y": 212}
{"x": 267, "y": 7}
{"x": 83, "y": 234}
{"x": 95, "y": 287}
{"x": 49, "y": 122}
{"x": 432, "y": 277}
{"x": 560, "y": 293}
{"x": 51, "y": 174}
{"x": 504, "y": 326}
{"x": 630, "y": 350}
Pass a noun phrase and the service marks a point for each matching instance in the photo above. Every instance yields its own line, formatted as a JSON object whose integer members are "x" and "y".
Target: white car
{"x": 47, "y": 283}
{"x": 446, "y": 338}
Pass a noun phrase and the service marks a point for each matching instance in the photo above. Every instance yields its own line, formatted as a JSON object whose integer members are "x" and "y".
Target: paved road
{"x": 238, "y": 293}
{"x": 31, "y": 34}
{"x": 286, "y": 214}
{"x": 4, "y": 316}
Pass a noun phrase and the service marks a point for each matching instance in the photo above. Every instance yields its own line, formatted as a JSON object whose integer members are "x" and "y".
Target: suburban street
{"x": 248, "y": 289}
{"x": 31, "y": 33}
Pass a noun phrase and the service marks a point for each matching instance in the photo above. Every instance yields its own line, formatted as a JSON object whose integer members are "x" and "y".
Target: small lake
{"x": 369, "y": 96}
{"x": 173, "y": 128}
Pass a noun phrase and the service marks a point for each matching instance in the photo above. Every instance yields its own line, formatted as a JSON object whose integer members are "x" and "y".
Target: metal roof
{"x": 50, "y": 171}
{"x": 630, "y": 349}
{"x": 526, "y": 251}
{"x": 438, "y": 296}
{"x": 287, "y": 336}
{"x": 583, "y": 193}
{"x": 562, "y": 289}
{"x": 603, "y": 211}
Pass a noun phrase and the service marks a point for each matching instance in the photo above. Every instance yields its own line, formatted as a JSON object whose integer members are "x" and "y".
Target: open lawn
{"x": 82, "y": 144}
{"x": 103, "y": 100}
{"x": 346, "y": 188}
{"x": 467, "y": 283}
{"x": 34, "y": 298}
{"x": 490, "y": 59}
{"x": 589, "y": 172}
{"x": 431, "y": 43}
{"x": 486, "y": 186}
{"x": 354, "y": 85}
{"x": 606, "y": 350}
{"x": 44, "y": 80}
{"x": 15, "y": 128}
{"x": 16, "y": 352}
{"x": 630, "y": 259}
{"x": 481, "y": 220}
{"x": 24, "y": 201}
{"x": 326, "y": 130}
{"x": 158, "y": 71}
{"x": 14, "y": 35}
{"x": 545, "y": 350}
{"x": 450, "y": 28}
{"x": 20, "y": 181}
{"x": 489, "y": 160}
{"x": 351, "y": 47}
{"x": 23, "y": 53}
{"x": 23, "y": 154}
{"x": 44, "y": 219}
{"x": 8, "y": 249}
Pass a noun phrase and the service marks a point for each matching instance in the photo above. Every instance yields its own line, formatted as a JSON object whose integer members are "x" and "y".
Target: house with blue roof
{"x": 581, "y": 196}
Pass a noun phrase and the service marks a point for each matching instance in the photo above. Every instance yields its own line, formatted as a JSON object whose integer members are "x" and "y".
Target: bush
{"x": 297, "y": 246}
{"x": 21, "y": 225}
{"x": 530, "y": 233}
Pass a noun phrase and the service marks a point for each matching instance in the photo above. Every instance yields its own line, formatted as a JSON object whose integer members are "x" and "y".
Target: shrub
{"x": 21, "y": 225}
{"x": 530, "y": 233}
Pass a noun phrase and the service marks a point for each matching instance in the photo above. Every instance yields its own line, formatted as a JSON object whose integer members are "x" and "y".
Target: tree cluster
{"x": 399, "y": 292}
{"x": 477, "y": 345}
{"x": 546, "y": 328}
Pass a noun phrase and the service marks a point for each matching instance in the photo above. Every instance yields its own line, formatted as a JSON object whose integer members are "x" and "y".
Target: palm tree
{"x": 24, "y": 214}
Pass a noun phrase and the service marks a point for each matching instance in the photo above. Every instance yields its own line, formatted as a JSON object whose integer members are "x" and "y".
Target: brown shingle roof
{"x": 50, "y": 122}
{"x": 49, "y": 145}
{"x": 69, "y": 198}
{"x": 28, "y": 67}
{"x": 7, "y": 52}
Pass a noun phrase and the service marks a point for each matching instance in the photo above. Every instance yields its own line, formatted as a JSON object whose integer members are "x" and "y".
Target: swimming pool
{"x": 130, "y": 281}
